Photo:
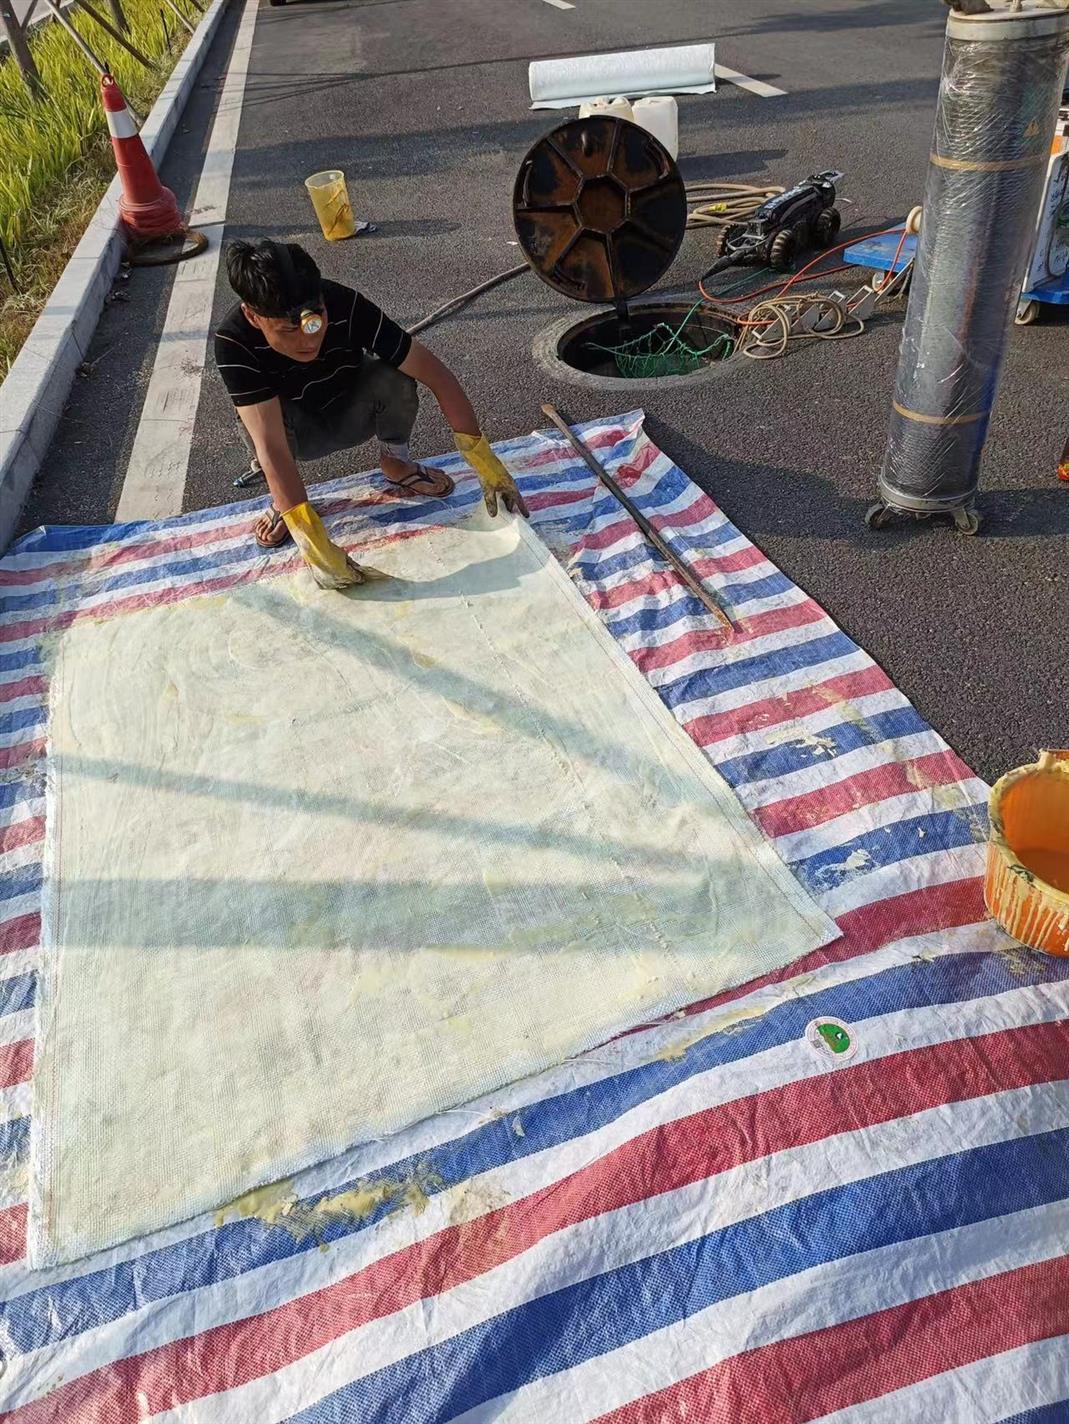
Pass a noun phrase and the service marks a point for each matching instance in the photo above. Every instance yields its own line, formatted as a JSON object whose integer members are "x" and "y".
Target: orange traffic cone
{"x": 1063, "y": 468}
{"x": 148, "y": 210}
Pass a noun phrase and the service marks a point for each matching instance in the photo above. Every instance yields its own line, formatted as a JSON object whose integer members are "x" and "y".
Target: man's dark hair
{"x": 273, "y": 278}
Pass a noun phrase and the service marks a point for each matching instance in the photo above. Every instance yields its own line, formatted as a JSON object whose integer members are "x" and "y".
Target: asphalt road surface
{"x": 424, "y": 104}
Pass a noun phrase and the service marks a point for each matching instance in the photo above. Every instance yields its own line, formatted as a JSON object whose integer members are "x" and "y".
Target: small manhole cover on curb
{"x": 611, "y": 350}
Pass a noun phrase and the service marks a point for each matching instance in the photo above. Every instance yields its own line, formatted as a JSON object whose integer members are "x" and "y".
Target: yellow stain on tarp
{"x": 948, "y": 796}
{"x": 675, "y": 1051}
{"x": 266, "y": 1204}
{"x": 848, "y": 710}
{"x": 1019, "y": 961}
{"x": 277, "y": 1204}
{"x": 476, "y": 1199}
{"x": 732, "y": 1020}
{"x": 815, "y": 743}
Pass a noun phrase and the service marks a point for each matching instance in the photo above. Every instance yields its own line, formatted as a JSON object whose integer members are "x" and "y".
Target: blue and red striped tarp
{"x": 706, "y": 1220}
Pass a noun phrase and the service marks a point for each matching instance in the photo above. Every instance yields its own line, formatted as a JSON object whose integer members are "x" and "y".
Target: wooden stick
{"x": 15, "y": 34}
{"x": 98, "y": 64}
{"x": 704, "y": 597}
{"x": 8, "y": 267}
{"x": 172, "y": 6}
{"x": 64, "y": 20}
{"x": 114, "y": 33}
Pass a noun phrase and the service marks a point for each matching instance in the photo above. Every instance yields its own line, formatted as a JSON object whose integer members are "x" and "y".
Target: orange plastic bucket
{"x": 1027, "y": 882}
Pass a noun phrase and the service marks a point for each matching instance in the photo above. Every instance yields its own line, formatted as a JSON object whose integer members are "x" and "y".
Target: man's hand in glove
{"x": 496, "y": 481}
{"x": 331, "y": 567}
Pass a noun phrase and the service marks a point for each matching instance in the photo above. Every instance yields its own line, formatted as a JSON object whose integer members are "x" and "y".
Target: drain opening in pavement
{"x": 654, "y": 340}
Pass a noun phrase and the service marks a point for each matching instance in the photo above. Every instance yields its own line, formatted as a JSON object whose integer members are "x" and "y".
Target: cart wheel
{"x": 1027, "y": 313}
{"x": 826, "y": 228}
{"x": 879, "y": 280}
{"x": 878, "y": 516}
{"x": 966, "y": 520}
{"x": 782, "y": 250}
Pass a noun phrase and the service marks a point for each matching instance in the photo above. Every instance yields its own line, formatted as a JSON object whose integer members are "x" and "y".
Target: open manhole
{"x": 600, "y": 211}
{"x": 670, "y": 342}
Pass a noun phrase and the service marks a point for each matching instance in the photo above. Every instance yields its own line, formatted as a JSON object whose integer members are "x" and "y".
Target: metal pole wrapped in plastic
{"x": 998, "y": 99}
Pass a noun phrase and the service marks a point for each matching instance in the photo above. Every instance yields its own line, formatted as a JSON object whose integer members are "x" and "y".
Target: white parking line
{"x": 156, "y": 475}
{"x": 742, "y": 81}
{"x": 560, "y": 4}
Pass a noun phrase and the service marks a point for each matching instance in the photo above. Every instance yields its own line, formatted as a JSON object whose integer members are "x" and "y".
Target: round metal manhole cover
{"x": 600, "y": 209}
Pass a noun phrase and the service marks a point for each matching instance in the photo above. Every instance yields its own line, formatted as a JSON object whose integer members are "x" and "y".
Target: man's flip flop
{"x": 266, "y": 541}
{"x": 441, "y": 485}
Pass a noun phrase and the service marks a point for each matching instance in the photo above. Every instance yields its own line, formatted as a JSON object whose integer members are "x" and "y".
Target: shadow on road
{"x": 766, "y": 499}
{"x": 875, "y": 14}
{"x": 711, "y": 167}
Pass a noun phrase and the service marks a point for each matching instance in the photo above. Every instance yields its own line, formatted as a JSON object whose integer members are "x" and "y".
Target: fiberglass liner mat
{"x": 322, "y": 865}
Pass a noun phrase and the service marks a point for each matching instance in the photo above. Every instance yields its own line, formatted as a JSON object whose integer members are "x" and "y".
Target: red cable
{"x": 830, "y": 252}
{"x": 759, "y": 291}
{"x": 785, "y": 287}
{"x": 898, "y": 251}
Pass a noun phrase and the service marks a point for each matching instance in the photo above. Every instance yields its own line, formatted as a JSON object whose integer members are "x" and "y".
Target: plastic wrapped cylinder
{"x": 998, "y": 101}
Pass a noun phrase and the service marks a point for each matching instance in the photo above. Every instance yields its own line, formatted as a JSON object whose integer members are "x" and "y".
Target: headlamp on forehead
{"x": 308, "y": 317}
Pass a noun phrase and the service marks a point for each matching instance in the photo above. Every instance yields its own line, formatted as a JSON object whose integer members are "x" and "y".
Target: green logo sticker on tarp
{"x": 832, "y": 1039}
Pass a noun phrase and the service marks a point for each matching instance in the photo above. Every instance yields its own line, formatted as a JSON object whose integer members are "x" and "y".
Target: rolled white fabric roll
{"x": 567, "y": 83}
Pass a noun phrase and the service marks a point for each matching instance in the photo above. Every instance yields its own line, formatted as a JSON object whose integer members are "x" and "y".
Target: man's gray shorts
{"x": 381, "y": 402}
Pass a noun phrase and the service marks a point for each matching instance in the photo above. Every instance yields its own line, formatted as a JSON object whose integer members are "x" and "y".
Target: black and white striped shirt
{"x": 252, "y": 372}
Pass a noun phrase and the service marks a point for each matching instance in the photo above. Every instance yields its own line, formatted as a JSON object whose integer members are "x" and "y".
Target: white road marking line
{"x": 560, "y": 4}
{"x": 755, "y": 86}
{"x": 156, "y": 475}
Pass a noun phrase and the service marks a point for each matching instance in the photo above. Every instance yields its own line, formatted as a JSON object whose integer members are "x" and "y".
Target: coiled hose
{"x": 721, "y": 204}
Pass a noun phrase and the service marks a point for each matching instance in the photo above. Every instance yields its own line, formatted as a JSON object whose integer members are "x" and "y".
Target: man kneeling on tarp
{"x": 314, "y": 367}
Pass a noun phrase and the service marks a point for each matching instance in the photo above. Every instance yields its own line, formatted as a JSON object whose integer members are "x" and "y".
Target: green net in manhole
{"x": 664, "y": 351}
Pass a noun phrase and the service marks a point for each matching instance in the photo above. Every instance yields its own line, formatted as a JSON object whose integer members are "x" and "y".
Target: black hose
{"x": 456, "y": 303}
{"x": 742, "y": 252}
{"x": 730, "y": 196}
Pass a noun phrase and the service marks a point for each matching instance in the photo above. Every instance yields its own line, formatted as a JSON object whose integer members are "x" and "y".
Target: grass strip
{"x": 55, "y": 155}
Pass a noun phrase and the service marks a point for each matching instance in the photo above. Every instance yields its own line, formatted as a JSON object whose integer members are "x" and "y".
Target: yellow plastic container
{"x": 1027, "y": 882}
{"x": 330, "y": 198}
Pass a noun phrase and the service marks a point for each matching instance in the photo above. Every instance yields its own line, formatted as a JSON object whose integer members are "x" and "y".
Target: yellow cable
{"x": 721, "y": 204}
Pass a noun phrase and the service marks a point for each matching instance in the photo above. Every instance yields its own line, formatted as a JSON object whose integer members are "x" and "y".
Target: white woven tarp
{"x": 321, "y": 865}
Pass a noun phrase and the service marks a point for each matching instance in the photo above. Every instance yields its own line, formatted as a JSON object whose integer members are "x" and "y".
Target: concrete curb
{"x": 35, "y": 390}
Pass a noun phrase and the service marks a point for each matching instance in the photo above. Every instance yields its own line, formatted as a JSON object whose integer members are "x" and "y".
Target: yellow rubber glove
{"x": 331, "y": 567}
{"x": 494, "y": 478}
